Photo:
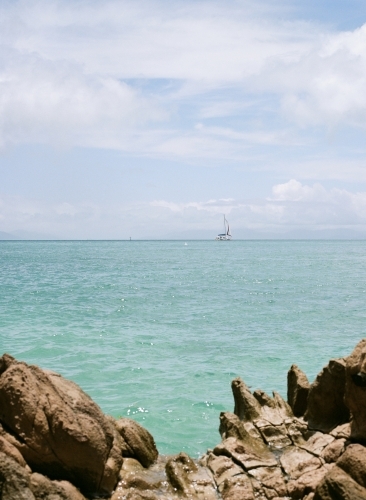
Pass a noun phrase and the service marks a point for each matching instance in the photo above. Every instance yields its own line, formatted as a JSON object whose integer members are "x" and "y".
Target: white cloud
{"x": 292, "y": 205}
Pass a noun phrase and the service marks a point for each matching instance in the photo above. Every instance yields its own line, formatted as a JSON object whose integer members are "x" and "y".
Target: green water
{"x": 157, "y": 330}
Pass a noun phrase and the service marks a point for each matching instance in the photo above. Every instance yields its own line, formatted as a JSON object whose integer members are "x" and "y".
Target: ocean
{"x": 157, "y": 330}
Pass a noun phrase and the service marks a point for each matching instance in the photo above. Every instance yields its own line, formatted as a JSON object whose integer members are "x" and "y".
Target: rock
{"x": 139, "y": 443}
{"x": 271, "y": 479}
{"x": 238, "y": 488}
{"x": 223, "y": 468}
{"x": 353, "y": 462}
{"x": 337, "y": 485}
{"x": 296, "y": 462}
{"x": 306, "y": 483}
{"x": 317, "y": 442}
{"x": 190, "y": 479}
{"x": 342, "y": 431}
{"x": 12, "y": 452}
{"x": 333, "y": 451}
{"x": 246, "y": 405}
{"x": 232, "y": 426}
{"x": 244, "y": 454}
{"x": 297, "y": 390}
{"x": 57, "y": 428}
{"x": 14, "y": 480}
{"x": 326, "y": 408}
{"x": 45, "y": 489}
{"x": 355, "y": 396}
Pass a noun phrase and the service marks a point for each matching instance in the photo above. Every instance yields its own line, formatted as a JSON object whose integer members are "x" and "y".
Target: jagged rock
{"x": 337, "y": 485}
{"x": 271, "y": 479}
{"x": 342, "y": 431}
{"x": 245, "y": 454}
{"x": 306, "y": 483}
{"x": 296, "y": 462}
{"x": 353, "y": 462}
{"x": 45, "y": 489}
{"x": 14, "y": 480}
{"x": 297, "y": 390}
{"x": 326, "y": 408}
{"x": 355, "y": 397}
{"x": 10, "y": 450}
{"x": 246, "y": 405}
{"x": 317, "y": 442}
{"x": 333, "y": 451}
{"x": 237, "y": 488}
{"x": 57, "y": 428}
{"x": 223, "y": 468}
{"x": 190, "y": 479}
{"x": 139, "y": 443}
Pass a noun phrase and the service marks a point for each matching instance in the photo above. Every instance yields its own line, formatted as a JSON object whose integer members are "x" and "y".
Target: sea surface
{"x": 157, "y": 330}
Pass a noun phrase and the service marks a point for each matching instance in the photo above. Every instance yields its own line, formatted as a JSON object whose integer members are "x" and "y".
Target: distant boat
{"x": 225, "y": 236}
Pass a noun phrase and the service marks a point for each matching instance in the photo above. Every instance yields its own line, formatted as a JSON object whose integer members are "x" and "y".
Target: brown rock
{"x": 139, "y": 443}
{"x": 297, "y": 390}
{"x": 14, "y": 480}
{"x": 223, "y": 468}
{"x": 355, "y": 397}
{"x": 326, "y": 408}
{"x": 342, "y": 431}
{"x": 353, "y": 462}
{"x": 246, "y": 405}
{"x": 238, "y": 488}
{"x": 178, "y": 469}
{"x": 317, "y": 442}
{"x": 45, "y": 489}
{"x": 337, "y": 485}
{"x": 10, "y": 450}
{"x": 245, "y": 454}
{"x": 56, "y": 427}
{"x": 306, "y": 483}
{"x": 296, "y": 462}
{"x": 232, "y": 426}
{"x": 271, "y": 479}
{"x": 190, "y": 479}
{"x": 333, "y": 451}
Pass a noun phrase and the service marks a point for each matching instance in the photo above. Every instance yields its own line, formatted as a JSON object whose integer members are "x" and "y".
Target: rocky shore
{"x": 56, "y": 443}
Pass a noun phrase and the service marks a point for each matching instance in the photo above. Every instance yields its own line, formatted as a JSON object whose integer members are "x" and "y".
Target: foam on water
{"x": 157, "y": 330}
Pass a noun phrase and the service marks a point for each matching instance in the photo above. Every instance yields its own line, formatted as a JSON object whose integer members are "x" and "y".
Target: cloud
{"x": 139, "y": 76}
{"x": 291, "y": 205}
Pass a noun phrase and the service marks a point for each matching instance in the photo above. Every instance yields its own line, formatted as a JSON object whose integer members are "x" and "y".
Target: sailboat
{"x": 225, "y": 236}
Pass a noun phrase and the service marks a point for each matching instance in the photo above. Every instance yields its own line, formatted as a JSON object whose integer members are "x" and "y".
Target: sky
{"x": 151, "y": 119}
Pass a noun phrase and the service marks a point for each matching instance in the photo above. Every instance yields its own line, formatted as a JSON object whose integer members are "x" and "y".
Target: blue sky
{"x": 151, "y": 119}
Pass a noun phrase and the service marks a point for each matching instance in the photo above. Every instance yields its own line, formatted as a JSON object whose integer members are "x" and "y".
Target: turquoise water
{"x": 157, "y": 330}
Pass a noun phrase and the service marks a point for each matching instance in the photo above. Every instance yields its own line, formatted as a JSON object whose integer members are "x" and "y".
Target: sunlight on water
{"x": 157, "y": 330}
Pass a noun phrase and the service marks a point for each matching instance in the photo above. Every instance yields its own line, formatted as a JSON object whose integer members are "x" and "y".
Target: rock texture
{"x": 56, "y": 444}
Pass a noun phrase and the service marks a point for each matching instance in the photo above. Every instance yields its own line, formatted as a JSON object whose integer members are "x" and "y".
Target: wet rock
{"x": 238, "y": 488}
{"x": 297, "y": 390}
{"x": 14, "y": 480}
{"x": 57, "y": 428}
{"x": 337, "y": 485}
{"x": 139, "y": 443}
{"x": 326, "y": 408}
{"x": 190, "y": 479}
{"x": 355, "y": 397}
